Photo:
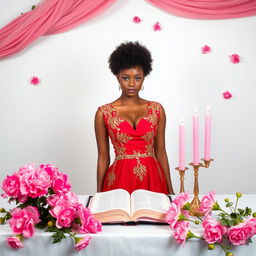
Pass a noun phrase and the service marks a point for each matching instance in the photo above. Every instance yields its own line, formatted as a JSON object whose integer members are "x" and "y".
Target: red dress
{"x": 135, "y": 165}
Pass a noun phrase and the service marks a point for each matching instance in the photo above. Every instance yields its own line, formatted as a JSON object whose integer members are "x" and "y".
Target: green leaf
{"x": 248, "y": 211}
{"x": 241, "y": 211}
{"x": 229, "y": 204}
{"x": 233, "y": 215}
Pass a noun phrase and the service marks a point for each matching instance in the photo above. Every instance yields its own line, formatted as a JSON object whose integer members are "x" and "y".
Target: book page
{"x": 110, "y": 200}
{"x": 148, "y": 200}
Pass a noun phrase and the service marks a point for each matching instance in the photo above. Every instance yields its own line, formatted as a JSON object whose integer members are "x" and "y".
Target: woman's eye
{"x": 125, "y": 78}
{"x": 138, "y": 78}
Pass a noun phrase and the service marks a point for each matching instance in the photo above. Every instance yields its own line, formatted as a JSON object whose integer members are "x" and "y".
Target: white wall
{"x": 54, "y": 122}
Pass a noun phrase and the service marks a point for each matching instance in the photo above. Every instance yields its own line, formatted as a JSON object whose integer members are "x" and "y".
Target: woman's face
{"x": 131, "y": 80}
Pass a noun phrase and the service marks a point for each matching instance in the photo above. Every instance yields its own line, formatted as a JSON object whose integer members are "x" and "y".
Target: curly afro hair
{"x": 128, "y": 55}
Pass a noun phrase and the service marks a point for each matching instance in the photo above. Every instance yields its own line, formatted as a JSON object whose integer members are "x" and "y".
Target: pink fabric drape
{"x": 208, "y": 9}
{"x": 49, "y": 17}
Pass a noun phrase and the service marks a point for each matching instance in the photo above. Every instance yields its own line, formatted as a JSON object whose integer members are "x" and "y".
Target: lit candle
{"x": 181, "y": 145}
{"x": 195, "y": 138}
{"x": 207, "y": 139}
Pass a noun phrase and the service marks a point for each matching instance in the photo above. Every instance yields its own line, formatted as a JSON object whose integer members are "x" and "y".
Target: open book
{"x": 117, "y": 206}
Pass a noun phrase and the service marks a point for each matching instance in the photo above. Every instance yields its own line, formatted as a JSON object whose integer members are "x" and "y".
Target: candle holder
{"x": 182, "y": 178}
{"x": 195, "y": 204}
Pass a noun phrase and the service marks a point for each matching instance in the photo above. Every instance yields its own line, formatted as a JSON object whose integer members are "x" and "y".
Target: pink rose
{"x": 11, "y": 186}
{"x": 34, "y": 80}
{"x": 26, "y": 168}
{"x": 24, "y": 220}
{"x": 227, "y": 95}
{"x": 136, "y": 19}
{"x": 49, "y": 168}
{"x": 157, "y": 27}
{"x": 14, "y": 242}
{"x": 207, "y": 203}
{"x": 234, "y": 58}
{"x": 206, "y": 49}
{"x": 68, "y": 198}
{"x": 60, "y": 183}
{"x": 181, "y": 231}
{"x": 89, "y": 224}
{"x": 82, "y": 243}
{"x": 53, "y": 200}
{"x": 64, "y": 213}
{"x": 181, "y": 199}
{"x": 213, "y": 230}
{"x": 239, "y": 234}
{"x": 252, "y": 221}
{"x": 172, "y": 215}
{"x": 34, "y": 183}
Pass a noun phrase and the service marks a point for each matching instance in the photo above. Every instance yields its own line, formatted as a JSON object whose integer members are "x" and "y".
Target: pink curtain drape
{"x": 208, "y": 9}
{"x": 49, "y": 17}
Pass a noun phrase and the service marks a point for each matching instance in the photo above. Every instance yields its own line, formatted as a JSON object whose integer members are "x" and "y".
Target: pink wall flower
{"x": 213, "y": 230}
{"x": 234, "y": 58}
{"x": 181, "y": 231}
{"x": 207, "y": 203}
{"x": 14, "y": 242}
{"x": 34, "y": 80}
{"x": 82, "y": 243}
{"x": 172, "y": 215}
{"x": 23, "y": 221}
{"x": 157, "y": 27}
{"x": 227, "y": 95}
{"x": 11, "y": 186}
{"x": 181, "y": 199}
{"x": 136, "y": 19}
{"x": 239, "y": 234}
{"x": 206, "y": 49}
{"x": 89, "y": 224}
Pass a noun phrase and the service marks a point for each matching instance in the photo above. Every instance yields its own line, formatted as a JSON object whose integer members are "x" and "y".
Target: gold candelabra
{"x": 182, "y": 178}
{"x": 195, "y": 203}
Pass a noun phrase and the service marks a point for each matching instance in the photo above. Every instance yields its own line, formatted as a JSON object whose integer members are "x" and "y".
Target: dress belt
{"x": 136, "y": 156}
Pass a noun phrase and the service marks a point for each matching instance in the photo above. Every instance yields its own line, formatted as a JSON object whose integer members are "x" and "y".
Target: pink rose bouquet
{"x": 237, "y": 226}
{"x": 44, "y": 200}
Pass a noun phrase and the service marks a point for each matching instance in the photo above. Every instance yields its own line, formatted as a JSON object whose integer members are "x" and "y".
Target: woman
{"x": 136, "y": 128}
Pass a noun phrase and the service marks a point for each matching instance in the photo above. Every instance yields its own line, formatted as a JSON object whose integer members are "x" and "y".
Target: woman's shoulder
{"x": 155, "y": 104}
{"x": 106, "y": 108}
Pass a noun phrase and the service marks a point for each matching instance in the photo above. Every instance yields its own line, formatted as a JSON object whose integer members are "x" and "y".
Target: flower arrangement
{"x": 44, "y": 200}
{"x": 237, "y": 226}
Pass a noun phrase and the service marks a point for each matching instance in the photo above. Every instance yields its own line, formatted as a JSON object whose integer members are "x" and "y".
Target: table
{"x": 119, "y": 240}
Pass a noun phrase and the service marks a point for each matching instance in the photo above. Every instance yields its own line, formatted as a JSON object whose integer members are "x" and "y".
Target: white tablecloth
{"x": 119, "y": 240}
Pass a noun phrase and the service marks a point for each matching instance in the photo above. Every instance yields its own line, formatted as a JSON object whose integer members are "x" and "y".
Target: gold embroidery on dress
{"x": 120, "y": 150}
{"x": 140, "y": 170}
{"x": 149, "y": 147}
{"x": 111, "y": 178}
{"x": 152, "y": 117}
{"x": 148, "y": 136}
{"x": 123, "y": 137}
{"x": 113, "y": 120}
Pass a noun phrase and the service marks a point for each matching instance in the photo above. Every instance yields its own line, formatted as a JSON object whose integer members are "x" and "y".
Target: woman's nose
{"x": 132, "y": 83}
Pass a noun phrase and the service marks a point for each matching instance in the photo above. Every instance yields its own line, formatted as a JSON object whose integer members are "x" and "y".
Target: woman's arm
{"x": 103, "y": 149}
{"x": 160, "y": 150}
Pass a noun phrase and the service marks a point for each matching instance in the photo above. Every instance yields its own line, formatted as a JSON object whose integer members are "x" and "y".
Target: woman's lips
{"x": 132, "y": 90}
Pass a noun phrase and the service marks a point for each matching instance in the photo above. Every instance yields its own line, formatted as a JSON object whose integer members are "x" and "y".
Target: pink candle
{"x": 181, "y": 145}
{"x": 207, "y": 139}
{"x": 195, "y": 139}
